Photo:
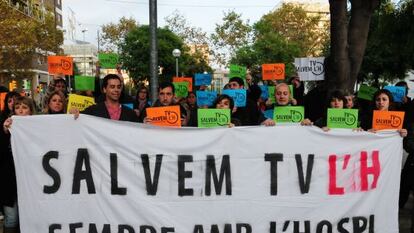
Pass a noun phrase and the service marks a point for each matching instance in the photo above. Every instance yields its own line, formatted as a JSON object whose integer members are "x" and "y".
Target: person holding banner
{"x": 383, "y": 102}
{"x": 249, "y": 115}
{"x": 111, "y": 108}
{"x": 23, "y": 106}
{"x": 55, "y": 103}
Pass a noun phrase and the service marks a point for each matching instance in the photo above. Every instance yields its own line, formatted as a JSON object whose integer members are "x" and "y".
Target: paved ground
{"x": 405, "y": 217}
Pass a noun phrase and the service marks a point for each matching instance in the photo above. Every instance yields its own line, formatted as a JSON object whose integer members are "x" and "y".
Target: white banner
{"x": 310, "y": 68}
{"x": 98, "y": 175}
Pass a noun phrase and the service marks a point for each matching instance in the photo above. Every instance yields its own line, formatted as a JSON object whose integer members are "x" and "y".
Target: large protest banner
{"x": 98, "y": 175}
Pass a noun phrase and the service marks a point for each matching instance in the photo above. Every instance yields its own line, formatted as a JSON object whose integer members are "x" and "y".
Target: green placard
{"x": 237, "y": 71}
{"x": 342, "y": 118}
{"x": 291, "y": 90}
{"x": 272, "y": 94}
{"x": 108, "y": 60}
{"x": 84, "y": 83}
{"x": 366, "y": 92}
{"x": 210, "y": 118}
{"x": 289, "y": 114}
{"x": 181, "y": 89}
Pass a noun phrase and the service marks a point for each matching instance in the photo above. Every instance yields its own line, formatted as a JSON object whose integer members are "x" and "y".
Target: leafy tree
{"x": 178, "y": 24}
{"x": 389, "y": 52}
{"x": 25, "y": 40}
{"x": 135, "y": 54}
{"x": 195, "y": 39}
{"x": 382, "y": 59}
{"x": 229, "y": 36}
{"x": 308, "y": 32}
{"x": 268, "y": 48}
{"x": 113, "y": 34}
{"x": 280, "y": 36}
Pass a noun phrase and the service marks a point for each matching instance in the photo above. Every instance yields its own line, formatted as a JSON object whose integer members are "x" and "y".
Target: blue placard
{"x": 265, "y": 92}
{"x": 398, "y": 93}
{"x": 206, "y": 98}
{"x": 238, "y": 95}
{"x": 202, "y": 79}
{"x": 129, "y": 105}
{"x": 269, "y": 114}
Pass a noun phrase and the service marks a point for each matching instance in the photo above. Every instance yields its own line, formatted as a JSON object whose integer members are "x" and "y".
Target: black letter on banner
{"x": 92, "y": 228}
{"x": 371, "y": 223}
{"x": 182, "y": 174}
{"x": 304, "y": 186}
{"x": 144, "y": 228}
{"x": 79, "y": 174}
{"x": 319, "y": 227}
{"x": 356, "y": 222}
{"x": 296, "y": 227}
{"x": 211, "y": 171}
{"x": 152, "y": 186}
{"x": 273, "y": 158}
{"x": 115, "y": 190}
{"x": 198, "y": 229}
{"x": 54, "y": 227}
{"x": 74, "y": 226}
{"x": 341, "y": 223}
{"x": 247, "y": 228}
{"x": 272, "y": 227}
{"x": 122, "y": 228}
{"x": 51, "y": 172}
{"x": 167, "y": 229}
{"x": 215, "y": 229}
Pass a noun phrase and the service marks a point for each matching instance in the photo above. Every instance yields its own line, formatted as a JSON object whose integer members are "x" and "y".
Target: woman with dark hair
{"x": 383, "y": 101}
{"x": 336, "y": 100}
{"x": 8, "y": 105}
{"x": 55, "y": 103}
{"x": 141, "y": 102}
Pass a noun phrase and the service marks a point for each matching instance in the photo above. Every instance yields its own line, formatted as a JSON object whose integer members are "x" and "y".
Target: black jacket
{"x": 100, "y": 110}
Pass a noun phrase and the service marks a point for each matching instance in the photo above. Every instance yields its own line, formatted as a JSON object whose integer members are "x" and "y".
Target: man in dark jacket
{"x": 166, "y": 95}
{"x": 111, "y": 108}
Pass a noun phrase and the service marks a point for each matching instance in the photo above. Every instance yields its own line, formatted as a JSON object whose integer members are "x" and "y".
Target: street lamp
{"x": 176, "y": 53}
{"x": 84, "y": 53}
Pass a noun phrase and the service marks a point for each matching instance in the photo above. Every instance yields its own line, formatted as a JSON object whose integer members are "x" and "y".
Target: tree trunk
{"x": 361, "y": 13}
{"x": 348, "y": 41}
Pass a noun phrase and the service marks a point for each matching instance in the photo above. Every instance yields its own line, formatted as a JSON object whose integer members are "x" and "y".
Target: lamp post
{"x": 84, "y": 53}
{"x": 176, "y": 53}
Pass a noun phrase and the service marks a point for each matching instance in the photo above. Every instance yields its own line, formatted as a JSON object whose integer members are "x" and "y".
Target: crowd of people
{"x": 111, "y": 97}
